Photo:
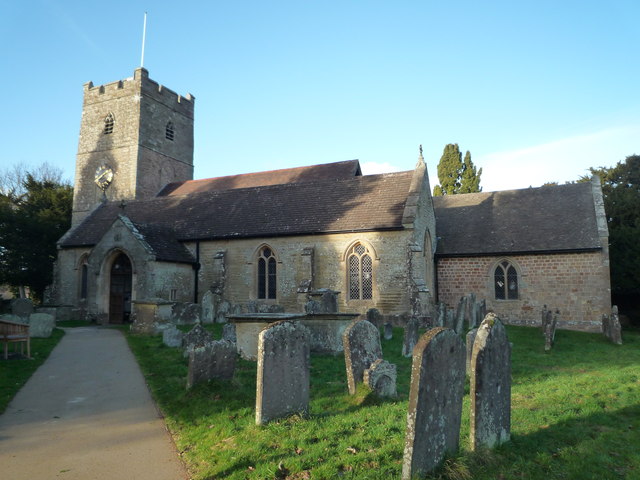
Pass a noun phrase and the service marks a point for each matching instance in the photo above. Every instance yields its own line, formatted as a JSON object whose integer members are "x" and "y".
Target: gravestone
{"x": 473, "y": 312}
{"x": 381, "y": 378}
{"x": 471, "y": 337}
{"x": 611, "y": 327}
{"x": 223, "y": 310}
{"x": 41, "y": 325}
{"x": 185, "y": 313}
{"x": 435, "y": 401}
{"x": 172, "y": 337}
{"x": 283, "y": 371}
{"x": 374, "y": 316}
{"x": 450, "y": 320}
{"x": 229, "y": 332}
{"x": 215, "y": 360}
{"x": 410, "y": 337}
{"x": 549, "y": 324}
{"x": 196, "y": 337}
{"x": 22, "y": 307}
{"x": 460, "y": 314}
{"x": 208, "y": 307}
{"x": 490, "y": 385}
{"x": 442, "y": 315}
{"x": 388, "y": 331}
{"x": 361, "y": 342}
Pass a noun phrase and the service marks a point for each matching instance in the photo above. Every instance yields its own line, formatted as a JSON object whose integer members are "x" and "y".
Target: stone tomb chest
{"x": 326, "y": 330}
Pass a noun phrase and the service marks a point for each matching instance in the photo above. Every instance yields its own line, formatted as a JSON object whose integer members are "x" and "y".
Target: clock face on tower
{"x": 104, "y": 176}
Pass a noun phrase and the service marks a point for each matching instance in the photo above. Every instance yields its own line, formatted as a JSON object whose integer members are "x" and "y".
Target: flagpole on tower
{"x": 144, "y": 36}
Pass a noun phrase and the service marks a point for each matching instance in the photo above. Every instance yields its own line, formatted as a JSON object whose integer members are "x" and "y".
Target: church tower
{"x": 135, "y": 137}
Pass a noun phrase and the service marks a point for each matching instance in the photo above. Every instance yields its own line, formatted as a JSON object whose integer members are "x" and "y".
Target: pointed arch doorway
{"x": 120, "y": 290}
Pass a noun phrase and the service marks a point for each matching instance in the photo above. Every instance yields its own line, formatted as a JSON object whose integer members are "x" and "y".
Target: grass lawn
{"x": 15, "y": 372}
{"x": 575, "y": 415}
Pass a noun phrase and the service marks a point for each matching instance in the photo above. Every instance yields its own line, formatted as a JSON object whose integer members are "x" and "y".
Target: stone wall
{"x": 575, "y": 283}
{"x": 329, "y": 269}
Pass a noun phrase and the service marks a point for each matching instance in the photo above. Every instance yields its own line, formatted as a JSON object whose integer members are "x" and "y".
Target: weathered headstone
{"x": 549, "y": 329}
{"x": 435, "y": 401}
{"x": 611, "y": 326}
{"x": 471, "y": 337}
{"x": 22, "y": 307}
{"x": 473, "y": 312}
{"x": 41, "y": 325}
{"x": 381, "y": 377}
{"x": 196, "y": 337}
{"x": 442, "y": 314}
{"x": 361, "y": 342}
{"x": 283, "y": 371}
{"x": 172, "y": 337}
{"x": 460, "y": 314}
{"x": 388, "y": 331}
{"x": 490, "y": 385}
{"x": 223, "y": 310}
{"x": 185, "y": 313}
{"x": 450, "y": 321}
{"x": 482, "y": 310}
{"x": 208, "y": 307}
{"x": 374, "y": 316}
{"x": 215, "y": 360}
{"x": 229, "y": 332}
{"x": 410, "y": 337}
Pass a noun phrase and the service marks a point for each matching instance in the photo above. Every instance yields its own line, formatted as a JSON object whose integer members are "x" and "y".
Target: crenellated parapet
{"x": 141, "y": 84}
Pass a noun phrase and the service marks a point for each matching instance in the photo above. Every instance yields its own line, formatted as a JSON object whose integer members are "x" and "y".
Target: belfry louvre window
{"x": 506, "y": 281}
{"x": 169, "y": 131}
{"x": 108, "y": 124}
{"x": 266, "y": 274}
{"x": 360, "y": 265}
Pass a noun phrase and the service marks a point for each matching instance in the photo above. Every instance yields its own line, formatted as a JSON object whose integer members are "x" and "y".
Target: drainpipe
{"x": 196, "y": 269}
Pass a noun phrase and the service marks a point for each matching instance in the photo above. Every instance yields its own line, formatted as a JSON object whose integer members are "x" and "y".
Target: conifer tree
{"x": 455, "y": 175}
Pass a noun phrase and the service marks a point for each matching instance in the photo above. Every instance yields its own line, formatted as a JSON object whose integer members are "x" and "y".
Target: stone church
{"x": 144, "y": 232}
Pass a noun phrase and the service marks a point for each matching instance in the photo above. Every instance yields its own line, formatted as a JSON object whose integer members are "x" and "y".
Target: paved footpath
{"x": 86, "y": 414}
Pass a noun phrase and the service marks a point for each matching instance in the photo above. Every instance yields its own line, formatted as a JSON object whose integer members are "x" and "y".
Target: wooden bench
{"x": 14, "y": 332}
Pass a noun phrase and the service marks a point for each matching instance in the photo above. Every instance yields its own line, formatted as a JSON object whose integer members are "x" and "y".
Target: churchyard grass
{"x": 575, "y": 415}
{"x": 15, "y": 372}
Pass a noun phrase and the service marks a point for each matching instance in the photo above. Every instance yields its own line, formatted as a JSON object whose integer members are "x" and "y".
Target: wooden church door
{"x": 120, "y": 290}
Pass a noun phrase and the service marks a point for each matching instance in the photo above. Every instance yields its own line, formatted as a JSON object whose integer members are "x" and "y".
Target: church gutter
{"x": 521, "y": 252}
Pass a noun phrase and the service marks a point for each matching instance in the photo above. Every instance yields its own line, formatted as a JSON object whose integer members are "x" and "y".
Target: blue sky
{"x": 536, "y": 90}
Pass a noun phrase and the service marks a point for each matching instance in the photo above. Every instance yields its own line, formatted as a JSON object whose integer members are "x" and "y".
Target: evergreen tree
{"x": 32, "y": 218}
{"x": 455, "y": 175}
{"x": 470, "y": 177}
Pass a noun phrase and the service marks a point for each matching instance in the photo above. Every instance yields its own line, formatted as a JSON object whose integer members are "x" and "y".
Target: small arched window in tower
{"x": 108, "y": 124}
{"x": 360, "y": 265}
{"x": 266, "y": 274}
{"x": 169, "y": 131}
{"x": 505, "y": 279}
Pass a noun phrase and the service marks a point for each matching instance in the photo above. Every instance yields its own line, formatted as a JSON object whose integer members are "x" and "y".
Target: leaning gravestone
{"x": 361, "y": 342}
{"x": 282, "y": 386}
{"x": 410, "y": 337}
{"x": 215, "y": 360}
{"x": 471, "y": 337}
{"x": 41, "y": 325}
{"x": 435, "y": 401}
{"x": 460, "y": 314}
{"x": 195, "y": 338}
{"x": 22, "y": 307}
{"x": 490, "y": 385}
{"x": 172, "y": 337}
{"x": 381, "y": 378}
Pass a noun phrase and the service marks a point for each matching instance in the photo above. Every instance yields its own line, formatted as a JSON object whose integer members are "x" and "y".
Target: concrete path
{"x": 87, "y": 414}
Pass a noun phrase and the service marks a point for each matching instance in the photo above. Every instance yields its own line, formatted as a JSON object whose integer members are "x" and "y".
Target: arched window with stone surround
{"x": 84, "y": 278}
{"x": 109, "y": 121}
{"x": 267, "y": 275}
{"x": 505, "y": 280}
{"x": 360, "y": 272}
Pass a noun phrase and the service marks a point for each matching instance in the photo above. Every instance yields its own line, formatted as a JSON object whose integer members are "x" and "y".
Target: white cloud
{"x": 561, "y": 160}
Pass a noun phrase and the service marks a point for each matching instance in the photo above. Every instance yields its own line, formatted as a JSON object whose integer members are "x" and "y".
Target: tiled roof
{"x": 360, "y": 203}
{"x": 164, "y": 244}
{"x": 327, "y": 171}
{"x": 552, "y": 218}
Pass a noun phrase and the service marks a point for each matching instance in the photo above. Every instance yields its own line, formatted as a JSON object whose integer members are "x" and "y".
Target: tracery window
{"x": 360, "y": 274}
{"x": 505, "y": 279}
{"x": 266, "y": 273}
{"x": 169, "y": 131}
{"x": 108, "y": 124}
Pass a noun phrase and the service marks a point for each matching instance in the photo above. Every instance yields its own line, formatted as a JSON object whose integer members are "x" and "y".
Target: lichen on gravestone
{"x": 361, "y": 342}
